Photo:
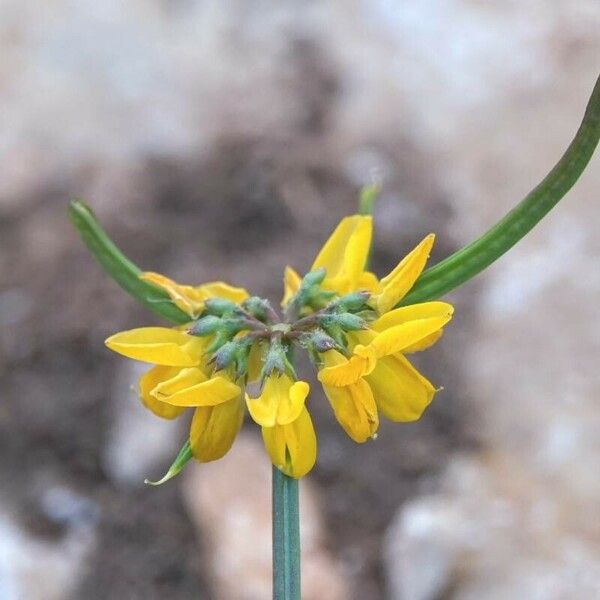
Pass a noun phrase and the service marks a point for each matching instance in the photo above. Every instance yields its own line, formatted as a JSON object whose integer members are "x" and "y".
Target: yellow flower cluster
{"x": 363, "y": 369}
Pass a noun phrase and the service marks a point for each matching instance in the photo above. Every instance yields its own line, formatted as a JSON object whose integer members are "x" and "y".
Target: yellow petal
{"x": 148, "y": 381}
{"x": 158, "y": 345}
{"x": 292, "y": 447}
{"x": 191, "y": 299}
{"x": 345, "y": 253}
{"x": 280, "y": 402}
{"x": 400, "y": 391}
{"x": 355, "y": 409}
{"x": 214, "y": 428}
{"x": 190, "y": 387}
{"x": 402, "y": 315}
{"x": 360, "y": 363}
{"x": 426, "y": 342}
{"x": 396, "y": 339}
{"x": 368, "y": 281}
{"x": 397, "y": 284}
{"x": 291, "y": 283}
{"x": 185, "y": 297}
{"x": 219, "y": 289}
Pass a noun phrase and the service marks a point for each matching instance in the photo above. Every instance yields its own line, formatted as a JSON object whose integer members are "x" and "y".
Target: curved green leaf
{"x": 472, "y": 259}
{"x": 119, "y": 267}
{"x": 184, "y": 456}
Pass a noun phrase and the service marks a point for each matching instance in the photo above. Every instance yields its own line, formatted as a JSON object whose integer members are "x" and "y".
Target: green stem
{"x": 286, "y": 537}
{"x": 474, "y": 258}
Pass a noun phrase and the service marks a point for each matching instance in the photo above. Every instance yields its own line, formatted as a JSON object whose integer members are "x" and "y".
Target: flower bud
{"x": 219, "y": 306}
{"x": 353, "y": 302}
{"x": 346, "y": 321}
{"x": 205, "y": 326}
{"x": 224, "y": 356}
{"x": 257, "y": 307}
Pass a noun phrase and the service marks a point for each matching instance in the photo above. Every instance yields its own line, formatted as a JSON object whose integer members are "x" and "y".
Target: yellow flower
{"x": 191, "y": 299}
{"x": 353, "y": 404}
{"x": 292, "y": 447}
{"x": 401, "y": 393}
{"x": 180, "y": 380}
{"x": 287, "y": 429}
{"x": 280, "y": 402}
{"x": 340, "y": 313}
{"x": 344, "y": 256}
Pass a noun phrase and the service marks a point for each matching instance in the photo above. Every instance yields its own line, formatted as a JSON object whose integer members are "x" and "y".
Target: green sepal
{"x": 478, "y": 255}
{"x": 119, "y": 267}
{"x": 184, "y": 456}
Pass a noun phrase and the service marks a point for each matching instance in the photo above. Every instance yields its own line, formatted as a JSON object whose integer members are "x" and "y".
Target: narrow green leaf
{"x": 474, "y": 258}
{"x": 119, "y": 267}
{"x": 184, "y": 456}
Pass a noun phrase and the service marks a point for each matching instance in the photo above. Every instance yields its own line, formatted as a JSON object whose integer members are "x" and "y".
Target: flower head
{"x": 236, "y": 352}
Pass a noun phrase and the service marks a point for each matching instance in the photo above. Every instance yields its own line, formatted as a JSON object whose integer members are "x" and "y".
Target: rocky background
{"x": 224, "y": 140}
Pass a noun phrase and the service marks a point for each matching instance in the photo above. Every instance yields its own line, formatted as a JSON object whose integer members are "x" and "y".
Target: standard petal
{"x": 345, "y": 253}
{"x": 291, "y": 283}
{"x": 290, "y": 410}
{"x": 361, "y": 363}
{"x": 219, "y": 289}
{"x": 280, "y": 401}
{"x": 148, "y": 381}
{"x": 214, "y": 429}
{"x": 191, "y": 388}
{"x": 404, "y": 314}
{"x": 292, "y": 447}
{"x": 397, "y": 284}
{"x": 396, "y": 339}
{"x": 355, "y": 409}
{"x": 400, "y": 391}
{"x": 185, "y": 297}
{"x": 158, "y": 345}
{"x": 368, "y": 281}
{"x": 191, "y": 299}
{"x": 426, "y": 342}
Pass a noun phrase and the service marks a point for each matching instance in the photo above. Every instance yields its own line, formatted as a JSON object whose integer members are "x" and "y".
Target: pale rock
{"x": 138, "y": 441}
{"x": 229, "y": 501}
{"x": 490, "y": 532}
{"x": 36, "y": 569}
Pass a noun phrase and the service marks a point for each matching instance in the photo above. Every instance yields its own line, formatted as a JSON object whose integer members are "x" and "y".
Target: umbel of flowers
{"x": 237, "y": 352}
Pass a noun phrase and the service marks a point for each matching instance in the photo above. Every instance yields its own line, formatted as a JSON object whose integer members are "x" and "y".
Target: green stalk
{"x": 119, "y": 267}
{"x": 474, "y": 258}
{"x": 286, "y": 537}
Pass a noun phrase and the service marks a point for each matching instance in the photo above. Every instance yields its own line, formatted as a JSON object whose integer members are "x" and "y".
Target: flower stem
{"x": 286, "y": 537}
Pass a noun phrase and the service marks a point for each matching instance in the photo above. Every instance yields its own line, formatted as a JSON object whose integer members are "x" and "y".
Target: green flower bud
{"x": 353, "y": 302}
{"x": 313, "y": 278}
{"x": 205, "y": 326}
{"x": 224, "y": 356}
{"x": 320, "y": 340}
{"x": 219, "y": 306}
{"x": 346, "y": 321}
{"x": 257, "y": 307}
{"x": 220, "y": 338}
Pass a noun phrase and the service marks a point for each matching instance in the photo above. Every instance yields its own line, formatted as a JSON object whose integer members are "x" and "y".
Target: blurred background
{"x": 225, "y": 140}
